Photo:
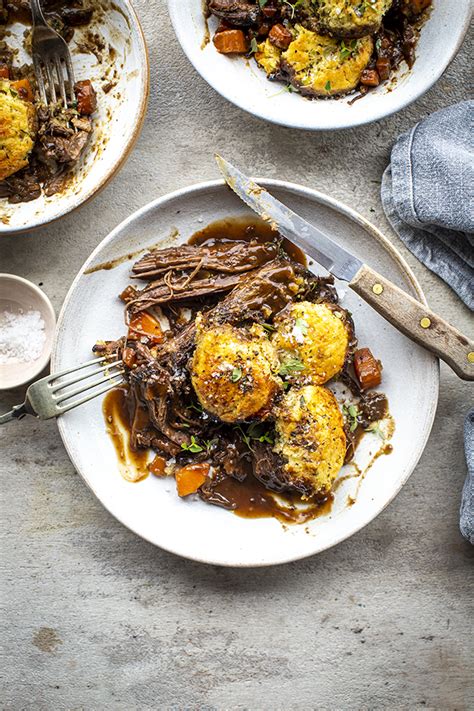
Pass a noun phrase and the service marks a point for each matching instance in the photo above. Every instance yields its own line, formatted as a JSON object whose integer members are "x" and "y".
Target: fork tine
{"x": 39, "y": 78}
{"x": 60, "y": 73}
{"x": 62, "y": 397}
{"x": 85, "y": 376}
{"x": 70, "y": 76}
{"x": 76, "y": 403}
{"x": 94, "y": 361}
{"x": 49, "y": 66}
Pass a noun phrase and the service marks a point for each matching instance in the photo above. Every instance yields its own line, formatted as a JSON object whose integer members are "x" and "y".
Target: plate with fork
{"x": 192, "y": 528}
{"x": 110, "y": 51}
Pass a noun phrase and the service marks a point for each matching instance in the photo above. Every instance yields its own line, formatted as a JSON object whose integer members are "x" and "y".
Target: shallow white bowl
{"x": 245, "y": 85}
{"x": 18, "y": 294}
{"x": 118, "y": 119}
{"x": 195, "y": 529}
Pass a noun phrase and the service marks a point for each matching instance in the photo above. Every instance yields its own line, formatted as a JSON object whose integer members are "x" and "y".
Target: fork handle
{"x": 37, "y": 13}
{"x": 17, "y": 413}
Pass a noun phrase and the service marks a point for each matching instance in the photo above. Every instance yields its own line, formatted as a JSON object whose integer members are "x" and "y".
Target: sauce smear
{"x": 132, "y": 464}
{"x": 245, "y": 229}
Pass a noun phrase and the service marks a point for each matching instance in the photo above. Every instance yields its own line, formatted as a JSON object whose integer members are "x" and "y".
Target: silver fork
{"x": 52, "y": 396}
{"x": 51, "y": 58}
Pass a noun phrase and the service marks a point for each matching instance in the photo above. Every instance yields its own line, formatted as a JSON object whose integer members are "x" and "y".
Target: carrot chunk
{"x": 24, "y": 89}
{"x": 86, "y": 97}
{"x": 128, "y": 357}
{"x": 145, "y": 325}
{"x": 157, "y": 466}
{"x": 231, "y": 42}
{"x": 190, "y": 478}
{"x": 280, "y": 36}
{"x": 367, "y": 368}
{"x": 383, "y": 67}
{"x": 370, "y": 77}
{"x": 4, "y": 72}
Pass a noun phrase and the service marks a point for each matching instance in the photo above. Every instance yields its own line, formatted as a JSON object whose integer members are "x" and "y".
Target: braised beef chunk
{"x": 192, "y": 272}
{"x": 268, "y": 468}
{"x": 262, "y": 294}
{"x": 197, "y": 272}
{"x": 237, "y": 12}
{"x": 224, "y": 257}
{"x": 20, "y": 187}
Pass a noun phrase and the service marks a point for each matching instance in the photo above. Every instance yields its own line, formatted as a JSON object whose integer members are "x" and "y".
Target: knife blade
{"x": 408, "y": 315}
{"x": 313, "y": 241}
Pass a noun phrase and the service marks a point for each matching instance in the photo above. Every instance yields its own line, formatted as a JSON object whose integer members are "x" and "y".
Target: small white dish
{"x": 19, "y": 295}
{"x": 194, "y": 529}
{"x": 122, "y": 66}
{"x": 244, "y": 84}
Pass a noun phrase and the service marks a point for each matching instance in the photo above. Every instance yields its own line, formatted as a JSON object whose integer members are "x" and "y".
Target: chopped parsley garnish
{"x": 194, "y": 447}
{"x": 327, "y": 86}
{"x": 291, "y": 365}
{"x": 352, "y": 414}
{"x": 256, "y": 432}
{"x": 345, "y": 51}
{"x": 253, "y": 45}
{"x": 236, "y": 375}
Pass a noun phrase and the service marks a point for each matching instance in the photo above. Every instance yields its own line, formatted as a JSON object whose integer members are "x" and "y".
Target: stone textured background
{"x": 95, "y": 618}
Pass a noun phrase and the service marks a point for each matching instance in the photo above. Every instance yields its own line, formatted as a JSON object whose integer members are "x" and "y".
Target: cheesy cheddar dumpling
{"x": 234, "y": 372}
{"x": 17, "y": 130}
{"x": 351, "y": 18}
{"x": 318, "y": 65}
{"x": 312, "y": 340}
{"x": 310, "y": 439}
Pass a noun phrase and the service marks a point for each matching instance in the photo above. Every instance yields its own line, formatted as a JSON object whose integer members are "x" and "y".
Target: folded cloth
{"x": 467, "y": 504}
{"x": 428, "y": 195}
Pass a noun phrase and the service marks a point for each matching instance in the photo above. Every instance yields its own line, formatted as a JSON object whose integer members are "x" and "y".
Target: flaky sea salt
{"x": 22, "y": 336}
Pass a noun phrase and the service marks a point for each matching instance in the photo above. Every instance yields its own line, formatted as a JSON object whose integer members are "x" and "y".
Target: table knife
{"x": 408, "y": 315}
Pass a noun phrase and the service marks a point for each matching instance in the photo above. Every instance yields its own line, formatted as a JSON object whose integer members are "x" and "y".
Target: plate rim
{"x": 341, "y": 208}
{"x": 6, "y": 231}
{"x": 377, "y": 116}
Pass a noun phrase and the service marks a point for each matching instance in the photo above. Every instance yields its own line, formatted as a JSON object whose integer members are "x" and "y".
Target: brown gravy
{"x": 248, "y": 499}
{"x": 133, "y": 465}
{"x": 245, "y": 229}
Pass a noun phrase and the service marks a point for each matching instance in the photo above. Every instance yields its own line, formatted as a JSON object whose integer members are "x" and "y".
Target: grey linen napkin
{"x": 467, "y": 503}
{"x": 428, "y": 195}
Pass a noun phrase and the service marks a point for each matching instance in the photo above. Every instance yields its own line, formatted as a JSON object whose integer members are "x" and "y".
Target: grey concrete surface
{"x": 95, "y": 618}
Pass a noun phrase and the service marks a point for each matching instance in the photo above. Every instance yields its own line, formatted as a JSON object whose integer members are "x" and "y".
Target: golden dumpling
{"x": 351, "y": 18}
{"x": 319, "y": 65}
{"x": 234, "y": 372}
{"x": 310, "y": 439}
{"x": 17, "y": 130}
{"x": 312, "y": 341}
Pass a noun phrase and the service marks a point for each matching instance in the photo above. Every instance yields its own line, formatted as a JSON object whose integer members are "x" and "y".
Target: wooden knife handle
{"x": 416, "y": 321}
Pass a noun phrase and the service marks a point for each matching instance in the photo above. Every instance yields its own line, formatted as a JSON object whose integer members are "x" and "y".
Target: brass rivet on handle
{"x": 470, "y": 357}
{"x": 377, "y": 289}
{"x": 425, "y": 322}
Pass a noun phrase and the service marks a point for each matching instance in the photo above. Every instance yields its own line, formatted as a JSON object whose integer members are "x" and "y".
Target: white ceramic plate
{"x": 118, "y": 119}
{"x": 245, "y": 85}
{"x": 195, "y": 529}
